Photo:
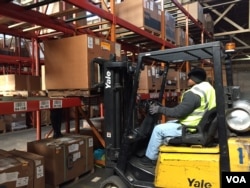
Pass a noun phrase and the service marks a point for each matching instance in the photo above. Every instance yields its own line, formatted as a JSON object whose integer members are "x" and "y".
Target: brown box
{"x": 15, "y": 121}
{"x": 149, "y": 79}
{"x": 142, "y": 13}
{"x": 180, "y": 37}
{"x": 210, "y": 74}
{"x": 68, "y": 61}
{"x": 33, "y": 83}
{"x": 208, "y": 23}
{"x": 65, "y": 158}
{"x": 169, "y": 26}
{"x": 15, "y": 171}
{"x": 2, "y": 125}
{"x": 176, "y": 80}
{"x": 12, "y": 82}
{"x": 195, "y": 10}
{"x": 37, "y": 161}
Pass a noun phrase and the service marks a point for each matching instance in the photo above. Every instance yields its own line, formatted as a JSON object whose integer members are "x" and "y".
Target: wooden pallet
{"x": 16, "y": 93}
{"x": 71, "y": 93}
{"x": 22, "y": 93}
{"x": 71, "y": 182}
{"x": 151, "y": 30}
{"x": 170, "y": 41}
{"x": 141, "y": 91}
{"x": 121, "y": 32}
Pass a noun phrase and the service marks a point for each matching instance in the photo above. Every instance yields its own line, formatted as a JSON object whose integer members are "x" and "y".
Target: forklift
{"x": 206, "y": 159}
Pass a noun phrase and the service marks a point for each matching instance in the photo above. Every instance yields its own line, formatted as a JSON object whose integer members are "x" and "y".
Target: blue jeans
{"x": 169, "y": 129}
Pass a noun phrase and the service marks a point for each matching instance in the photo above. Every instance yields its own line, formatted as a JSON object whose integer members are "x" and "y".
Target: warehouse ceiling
{"x": 231, "y": 24}
{"x": 36, "y": 19}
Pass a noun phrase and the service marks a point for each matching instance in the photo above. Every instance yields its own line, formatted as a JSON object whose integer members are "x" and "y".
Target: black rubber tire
{"x": 113, "y": 182}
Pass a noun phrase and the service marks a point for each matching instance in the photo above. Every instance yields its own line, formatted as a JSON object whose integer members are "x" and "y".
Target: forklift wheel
{"x": 113, "y": 182}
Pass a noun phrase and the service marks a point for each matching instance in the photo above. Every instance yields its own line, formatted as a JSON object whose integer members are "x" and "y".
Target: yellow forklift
{"x": 216, "y": 156}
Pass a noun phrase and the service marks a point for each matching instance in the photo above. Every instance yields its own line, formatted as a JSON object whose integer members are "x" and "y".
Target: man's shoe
{"x": 57, "y": 135}
{"x": 147, "y": 162}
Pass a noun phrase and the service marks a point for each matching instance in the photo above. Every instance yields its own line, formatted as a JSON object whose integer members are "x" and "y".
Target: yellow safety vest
{"x": 208, "y": 101}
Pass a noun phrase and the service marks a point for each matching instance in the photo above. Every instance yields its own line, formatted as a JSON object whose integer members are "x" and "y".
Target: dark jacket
{"x": 189, "y": 103}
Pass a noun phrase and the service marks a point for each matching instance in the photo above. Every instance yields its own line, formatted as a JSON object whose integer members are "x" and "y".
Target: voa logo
{"x": 236, "y": 179}
{"x": 108, "y": 80}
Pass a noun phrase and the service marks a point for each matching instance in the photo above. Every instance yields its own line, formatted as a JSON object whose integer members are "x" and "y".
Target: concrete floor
{"x": 18, "y": 140}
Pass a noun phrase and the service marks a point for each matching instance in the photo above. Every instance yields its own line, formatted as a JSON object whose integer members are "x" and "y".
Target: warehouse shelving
{"x": 32, "y": 21}
{"x": 18, "y": 105}
{"x": 27, "y": 22}
{"x": 10, "y": 105}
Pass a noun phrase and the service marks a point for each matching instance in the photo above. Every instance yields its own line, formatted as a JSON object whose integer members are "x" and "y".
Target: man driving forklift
{"x": 194, "y": 103}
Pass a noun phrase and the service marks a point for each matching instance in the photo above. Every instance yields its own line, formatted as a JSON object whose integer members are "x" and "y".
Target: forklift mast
{"x": 115, "y": 82}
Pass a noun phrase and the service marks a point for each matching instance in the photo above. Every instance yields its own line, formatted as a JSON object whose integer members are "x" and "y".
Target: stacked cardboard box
{"x": 66, "y": 158}
{"x": 208, "y": 23}
{"x": 37, "y": 164}
{"x": 68, "y": 61}
{"x": 21, "y": 169}
{"x": 15, "y": 121}
{"x": 142, "y": 13}
{"x": 170, "y": 26}
{"x": 210, "y": 73}
{"x": 2, "y": 124}
{"x": 176, "y": 80}
{"x": 196, "y": 10}
{"x": 180, "y": 37}
{"x": 12, "y": 82}
{"x": 150, "y": 80}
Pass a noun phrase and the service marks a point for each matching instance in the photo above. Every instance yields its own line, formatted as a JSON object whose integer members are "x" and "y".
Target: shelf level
{"x": 36, "y": 104}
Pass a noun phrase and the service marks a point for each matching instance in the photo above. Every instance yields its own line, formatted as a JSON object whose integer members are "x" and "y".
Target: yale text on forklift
{"x": 199, "y": 183}
{"x": 236, "y": 178}
{"x": 108, "y": 80}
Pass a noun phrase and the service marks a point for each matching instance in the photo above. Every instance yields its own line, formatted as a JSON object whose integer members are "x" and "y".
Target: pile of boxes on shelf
{"x": 68, "y": 61}
{"x": 150, "y": 80}
{"x": 146, "y": 14}
{"x": 23, "y": 85}
{"x": 47, "y": 163}
{"x": 80, "y": 73}
{"x": 14, "y": 86}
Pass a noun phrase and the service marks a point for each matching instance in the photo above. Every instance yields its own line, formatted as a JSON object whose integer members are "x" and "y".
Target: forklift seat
{"x": 203, "y": 135}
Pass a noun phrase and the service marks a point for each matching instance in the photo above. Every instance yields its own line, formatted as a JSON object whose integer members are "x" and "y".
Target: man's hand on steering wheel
{"x": 154, "y": 107}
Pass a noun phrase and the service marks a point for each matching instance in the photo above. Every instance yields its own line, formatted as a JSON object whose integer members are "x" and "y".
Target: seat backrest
{"x": 204, "y": 133}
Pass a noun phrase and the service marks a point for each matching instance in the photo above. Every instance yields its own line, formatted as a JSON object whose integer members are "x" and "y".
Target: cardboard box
{"x": 195, "y": 10}
{"x": 15, "y": 121}
{"x": 37, "y": 161}
{"x": 176, "y": 80}
{"x": 68, "y": 61}
{"x": 170, "y": 26}
{"x": 33, "y": 83}
{"x": 65, "y": 158}
{"x": 142, "y": 13}
{"x": 2, "y": 125}
{"x": 13, "y": 82}
{"x": 149, "y": 79}
{"x": 180, "y": 37}
{"x": 208, "y": 23}
{"x": 15, "y": 172}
